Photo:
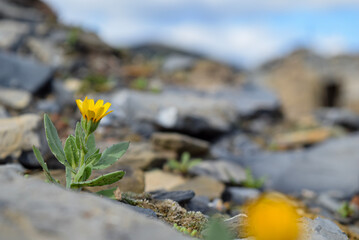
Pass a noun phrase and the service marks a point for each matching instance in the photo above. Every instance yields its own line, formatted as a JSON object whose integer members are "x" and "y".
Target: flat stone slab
{"x": 23, "y": 73}
{"x": 33, "y": 209}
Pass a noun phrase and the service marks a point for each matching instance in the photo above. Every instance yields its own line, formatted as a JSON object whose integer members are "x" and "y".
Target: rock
{"x": 54, "y": 213}
{"x": 329, "y": 202}
{"x": 3, "y": 112}
{"x": 301, "y": 138}
{"x": 236, "y": 223}
{"x": 178, "y": 196}
{"x": 252, "y": 101}
{"x": 12, "y": 33}
{"x": 180, "y": 143}
{"x": 141, "y": 155}
{"x": 15, "y": 98}
{"x": 224, "y": 171}
{"x": 323, "y": 229}
{"x": 23, "y": 73}
{"x": 18, "y": 134}
{"x": 240, "y": 195}
{"x": 17, "y": 12}
{"x": 201, "y": 204}
{"x": 46, "y": 51}
{"x": 202, "y": 186}
{"x": 338, "y": 116}
{"x": 133, "y": 181}
{"x": 145, "y": 211}
{"x": 233, "y": 146}
{"x": 158, "y": 180}
{"x": 175, "y": 63}
{"x": 330, "y": 165}
{"x": 195, "y": 116}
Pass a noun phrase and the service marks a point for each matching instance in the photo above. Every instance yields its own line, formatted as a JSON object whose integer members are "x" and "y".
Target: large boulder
{"x": 331, "y": 165}
{"x": 32, "y": 209}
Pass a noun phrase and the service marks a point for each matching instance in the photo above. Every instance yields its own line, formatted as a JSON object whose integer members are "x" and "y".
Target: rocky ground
{"x": 171, "y": 105}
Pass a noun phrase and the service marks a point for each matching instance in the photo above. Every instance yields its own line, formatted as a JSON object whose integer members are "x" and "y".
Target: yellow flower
{"x": 92, "y": 111}
{"x": 272, "y": 217}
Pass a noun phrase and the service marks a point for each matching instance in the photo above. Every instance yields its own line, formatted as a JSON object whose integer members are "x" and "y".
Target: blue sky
{"x": 246, "y": 33}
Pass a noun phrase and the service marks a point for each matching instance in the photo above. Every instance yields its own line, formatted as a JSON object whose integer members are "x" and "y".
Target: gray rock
{"x": 197, "y": 115}
{"x": 323, "y": 229}
{"x": 11, "y": 33}
{"x": 23, "y": 73}
{"x": 337, "y": 116}
{"x": 18, "y": 134}
{"x": 240, "y": 195}
{"x": 15, "y": 98}
{"x": 145, "y": 211}
{"x": 251, "y": 100}
{"x": 178, "y": 196}
{"x": 329, "y": 202}
{"x": 50, "y": 212}
{"x": 177, "y": 63}
{"x": 222, "y": 170}
{"x": 46, "y": 51}
{"x": 180, "y": 143}
{"x": 12, "y": 11}
{"x": 331, "y": 165}
{"x": 201, "y": 204}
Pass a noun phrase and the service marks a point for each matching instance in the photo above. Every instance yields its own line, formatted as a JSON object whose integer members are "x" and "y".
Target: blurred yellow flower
{"x": 92, "y": 111}
{"x": 272, "y": 217}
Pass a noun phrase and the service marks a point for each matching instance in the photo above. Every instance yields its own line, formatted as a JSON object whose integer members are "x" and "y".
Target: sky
{"x": 244, "y": 33}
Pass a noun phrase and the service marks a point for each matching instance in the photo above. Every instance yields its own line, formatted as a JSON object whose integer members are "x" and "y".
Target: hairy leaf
{"x": 54, "y": 141}
{"x": 102, "y": 180}
{"x": 43, "y": 164}
{"x": 72, "y": 152}
{"x": 111, "y": 155}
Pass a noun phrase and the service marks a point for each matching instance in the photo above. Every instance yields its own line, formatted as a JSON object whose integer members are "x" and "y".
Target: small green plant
{"x": 251, "y": 181}
{"x": 95, "y": 82}
{"x": 80, "y": 156}
{"x": 73, "y": 38}
{"x": 192, "y": 233}
{"x": 140, "y": 83}
{"x": 184, "y": 165}
{"x": 217, "y": 230}
{"x": 345, "y": 210}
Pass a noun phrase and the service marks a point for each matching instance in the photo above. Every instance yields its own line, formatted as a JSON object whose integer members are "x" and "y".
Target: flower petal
{"x": 106, "y": 106}
{"x": 105, "y": 114}
{"x": 91, "y": 104}
{"x": 99, "y": 103}
{"x": 99, "y": 113}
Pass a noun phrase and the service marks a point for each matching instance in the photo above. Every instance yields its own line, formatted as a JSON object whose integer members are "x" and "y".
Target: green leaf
{"x": 102, "y": 180}
{"x": 87, "y": 173}
{"x": 111, "y": 155}
{"x": 54, "y": 141}
{"x": 43, "y": 164}
{"x": 216, "y": 229}
{"x": 71, "y": 152}
{"x": 173, "y": 164}
{"x": 109, "y": 193}
{"x": 91, "y": 144}
{"x": 68, "y": 177}
{"x": 79, "y": 173}
{"x": 185, "y": 158}
{"x": 79, "y": 135}
{"x": 94, "y": 158}
{"x": 194, "y": 162}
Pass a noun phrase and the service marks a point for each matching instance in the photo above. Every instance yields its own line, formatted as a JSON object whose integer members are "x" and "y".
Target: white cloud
{"x": 205, "y": 26}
